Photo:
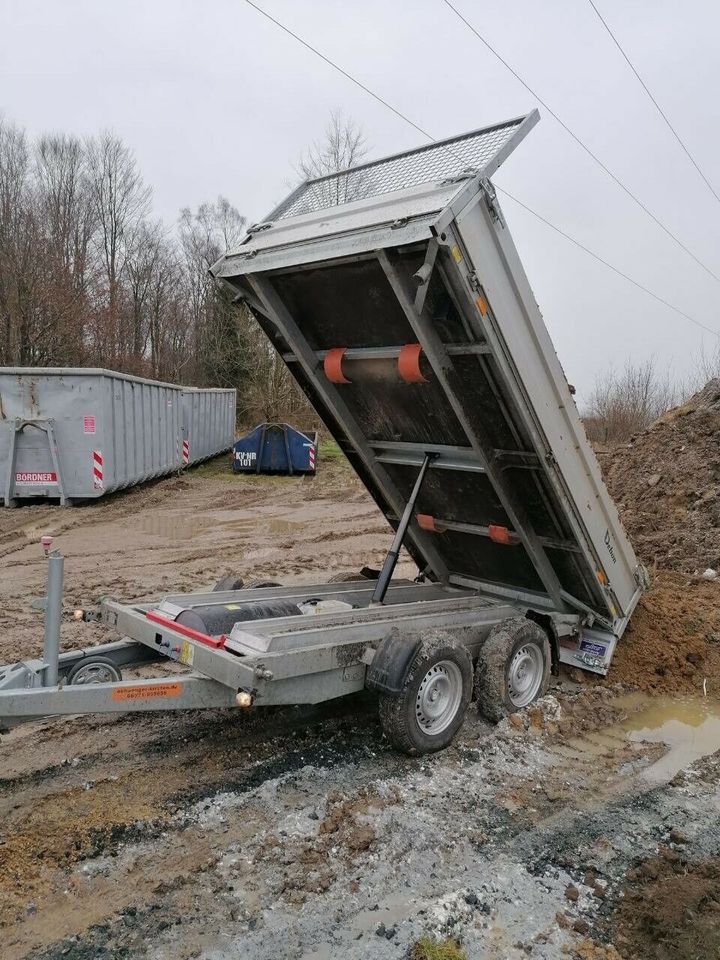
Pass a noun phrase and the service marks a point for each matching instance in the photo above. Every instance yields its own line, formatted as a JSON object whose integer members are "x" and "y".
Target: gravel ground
{"x": 298, "y": 832}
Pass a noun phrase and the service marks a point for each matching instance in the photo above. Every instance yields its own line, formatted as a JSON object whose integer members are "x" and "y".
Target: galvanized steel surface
{"x": 437, "y": 161}
{"x": 525, "y": 515}
{"x": 208, "y": 421}
{"x": 73, "y": 433}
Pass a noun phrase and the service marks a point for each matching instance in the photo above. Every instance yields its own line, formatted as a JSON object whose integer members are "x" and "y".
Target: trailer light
{"x": 481, "y": 304}
{"x": 244, "y": 699}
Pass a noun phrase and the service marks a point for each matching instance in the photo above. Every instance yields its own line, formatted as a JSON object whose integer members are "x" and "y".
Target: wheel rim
{"x": 95, "y": 673}
{"x": 525, "y": 675}
{"x": 439, "y": 697}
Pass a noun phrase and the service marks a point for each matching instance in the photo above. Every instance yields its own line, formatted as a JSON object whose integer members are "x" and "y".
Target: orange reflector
{"x": 409, "y": 363}
{"x": 332, "y": 365}
{"x": 499, "y": 534}
{"x": 426, "y": 522}
{"x": 482, "y": 306}
{"x": 601, "y": 576}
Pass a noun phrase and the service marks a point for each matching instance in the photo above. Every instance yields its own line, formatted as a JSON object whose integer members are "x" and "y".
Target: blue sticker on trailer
{"x": 598, "y": 649}
{"x": 275, "y": 448}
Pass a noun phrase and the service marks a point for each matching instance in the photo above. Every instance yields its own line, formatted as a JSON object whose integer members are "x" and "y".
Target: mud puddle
{"x": 285, "y": 526}
{"x": 172, "y": 527}
{"x": 689, "y": 727}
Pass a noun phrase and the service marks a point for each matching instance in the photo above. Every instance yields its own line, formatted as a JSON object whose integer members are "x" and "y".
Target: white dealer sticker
{"x": 36, "y": 479}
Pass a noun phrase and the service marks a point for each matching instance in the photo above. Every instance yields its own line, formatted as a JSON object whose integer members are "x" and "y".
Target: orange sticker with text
{"x": 148, "y": 692}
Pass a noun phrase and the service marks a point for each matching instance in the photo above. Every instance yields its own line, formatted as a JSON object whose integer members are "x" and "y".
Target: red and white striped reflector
{"x": 311, "y": 457}
{"x": 97, "y": 470}
{"x": 186, "y": 452}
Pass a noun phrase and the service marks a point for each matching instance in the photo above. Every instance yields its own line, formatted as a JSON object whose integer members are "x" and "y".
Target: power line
{"x": 337, "y": 67}
{"x": 657, "y": 105}
{"x": 581, "y": 144}
{"x": 606, "y": 263}
{"x": 432, "y": 139}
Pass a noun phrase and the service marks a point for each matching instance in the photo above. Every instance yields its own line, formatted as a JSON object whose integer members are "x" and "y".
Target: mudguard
{"x": 391, "y": 663}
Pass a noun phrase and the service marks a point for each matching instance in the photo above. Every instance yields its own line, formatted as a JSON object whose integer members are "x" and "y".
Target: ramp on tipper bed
{"x": 396, "y": 297}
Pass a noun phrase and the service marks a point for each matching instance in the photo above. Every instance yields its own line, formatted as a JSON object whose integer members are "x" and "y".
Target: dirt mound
{"x": 666, "y": 483}
{"x": 672, "y": 643}
{"x": 674, "y": 914}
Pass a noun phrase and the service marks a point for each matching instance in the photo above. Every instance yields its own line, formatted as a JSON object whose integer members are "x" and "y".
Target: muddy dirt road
{"x": 586, "y": 827}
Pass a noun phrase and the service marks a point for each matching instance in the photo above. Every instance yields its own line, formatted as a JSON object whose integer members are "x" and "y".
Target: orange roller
{"x": 426, "y": 522}
{"x": 409, "y": 363}
{"x": 333, "y": 365}
{"x": 499, "y": 534}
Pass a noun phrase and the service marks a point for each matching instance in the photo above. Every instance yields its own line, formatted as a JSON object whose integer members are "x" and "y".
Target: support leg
{"x": 383, "y": 581}
{"x": 53, "y": 615}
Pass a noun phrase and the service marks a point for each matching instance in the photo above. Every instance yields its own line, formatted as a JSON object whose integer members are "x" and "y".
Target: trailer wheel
{"x": 513, "y": 668}
{"x": 94, "y": 670}
{"x": 346, "y": 578}
{"x": 229, "y": 583}
{"x": 431, "y": 706}
{"x": 259, "y": 584}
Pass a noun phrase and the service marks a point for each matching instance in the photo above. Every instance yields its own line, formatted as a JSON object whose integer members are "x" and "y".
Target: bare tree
{"x": 88, "y": 278}
{"x": 15, "y": 220}
{"x": 120, "y": 201}
{"x": 68, "y": 218}
{"x": 269, "y": 391}
{"x": 142, "y": 261}
{"x": 621, "y": 405}
{"x": 343, "y": 146}
{"x": 169, "y": 319}
{"x": 66, "y": 226}
{"x": 708, "y": 365}
{"x": 216, "y": 337}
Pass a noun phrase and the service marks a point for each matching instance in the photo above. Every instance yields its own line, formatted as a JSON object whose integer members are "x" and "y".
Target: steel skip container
{"x": 208, "y": 423}
{"x": 74, "y": 434}
{"x": 276, "y": 448}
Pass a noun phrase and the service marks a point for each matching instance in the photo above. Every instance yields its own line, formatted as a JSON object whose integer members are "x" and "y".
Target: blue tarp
{"x": 275, "y": 448}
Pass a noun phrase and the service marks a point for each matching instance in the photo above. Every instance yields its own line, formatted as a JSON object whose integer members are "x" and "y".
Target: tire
{"x": 229, "y": 583}
{"x": 94, "y": 670}
{"x": 346, "y": 578}
{"x": 513, "y": 668}
{"x": 440, "y": 671}
{"x": 259, "y": 584}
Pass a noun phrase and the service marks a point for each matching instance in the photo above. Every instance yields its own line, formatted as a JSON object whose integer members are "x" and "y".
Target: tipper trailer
{"x": 395, "y": 295}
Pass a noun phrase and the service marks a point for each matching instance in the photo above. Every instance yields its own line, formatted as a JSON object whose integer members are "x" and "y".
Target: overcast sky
{"x": 214, "y": 99}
